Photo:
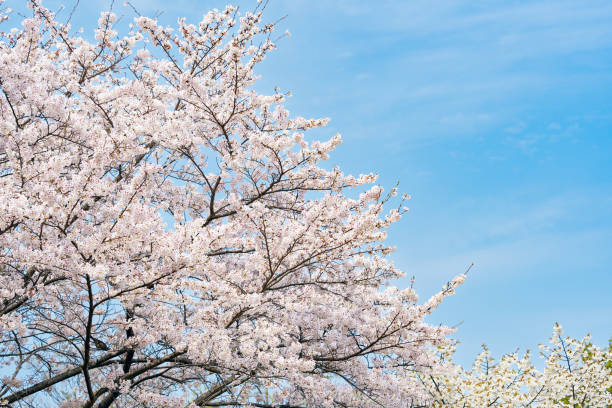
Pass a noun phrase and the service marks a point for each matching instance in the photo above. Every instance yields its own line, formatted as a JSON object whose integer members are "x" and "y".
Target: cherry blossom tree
{"x": 169, "y": 237}
{"x": 576, "y": 374}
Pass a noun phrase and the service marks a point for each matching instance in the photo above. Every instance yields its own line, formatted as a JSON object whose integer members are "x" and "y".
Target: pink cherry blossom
{"x": 171, "y": 238}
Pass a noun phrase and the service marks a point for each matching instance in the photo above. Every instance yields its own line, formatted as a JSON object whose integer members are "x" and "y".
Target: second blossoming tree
{"x": 169, "y": 237}
{"x": 575, "y": 374}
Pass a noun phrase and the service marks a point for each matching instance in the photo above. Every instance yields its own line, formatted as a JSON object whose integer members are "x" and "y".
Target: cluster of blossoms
{"x": 576, "y": 374}
{"x": 168, "y": 236}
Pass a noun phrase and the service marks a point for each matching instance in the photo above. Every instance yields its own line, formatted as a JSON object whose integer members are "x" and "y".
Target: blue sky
{"x": 495, "y": 116}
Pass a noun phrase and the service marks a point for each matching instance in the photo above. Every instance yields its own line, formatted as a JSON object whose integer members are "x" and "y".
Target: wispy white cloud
{"x": 461, "y": 58}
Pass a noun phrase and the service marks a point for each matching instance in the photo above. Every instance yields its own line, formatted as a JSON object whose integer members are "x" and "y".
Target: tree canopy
{"x": 170, "y": 238}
